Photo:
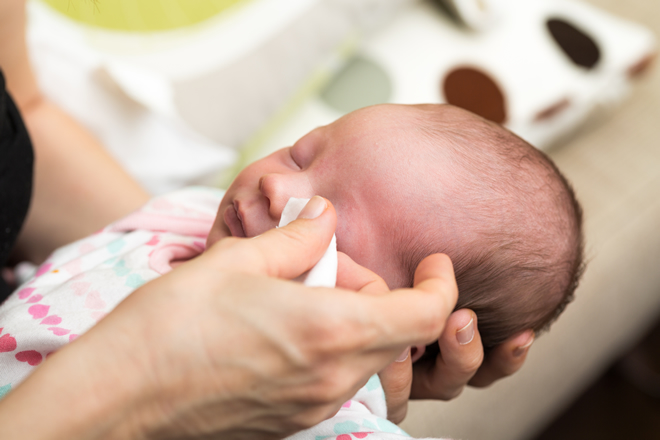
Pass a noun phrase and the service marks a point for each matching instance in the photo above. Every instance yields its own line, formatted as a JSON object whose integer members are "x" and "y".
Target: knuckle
{"x": 438, "y": 323}
{"x": 470, "y": 364}
{"x": 326, "y": 392}
{"x": 329, "y": 335}
{"x": 293, "y": 234}
{"x": 331, "y": 390}
{"x": 434, "y": 325}
{"x": 448, "y": 285}
{"x": 434, "y": 318}
{"x": 321, "y": 341}
{"x": 451, "y": 394}
{"x": 311, "y": 416}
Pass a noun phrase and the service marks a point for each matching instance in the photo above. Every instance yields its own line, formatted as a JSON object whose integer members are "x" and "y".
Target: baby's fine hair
{"x": 519, "y": 255}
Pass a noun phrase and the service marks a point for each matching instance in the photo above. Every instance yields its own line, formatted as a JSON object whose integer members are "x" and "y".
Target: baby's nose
{"x": 278, "y": 188}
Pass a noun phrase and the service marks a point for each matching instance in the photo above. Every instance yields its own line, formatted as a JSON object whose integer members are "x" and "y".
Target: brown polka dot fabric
{"x": 641, "y": 66}
{"x": 552, "y": 110}
{"x": 576, "y": 44}
{"x": 473, "y": 90}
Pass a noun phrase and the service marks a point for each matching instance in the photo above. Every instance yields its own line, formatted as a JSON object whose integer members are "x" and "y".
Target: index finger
{"x": 285, "y": 252}
{"x": 352, "y": 276}
{"x": 419, "y": 314}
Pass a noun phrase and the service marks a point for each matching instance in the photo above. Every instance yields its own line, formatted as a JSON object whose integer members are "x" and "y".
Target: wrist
{"x": 84, "y": 391}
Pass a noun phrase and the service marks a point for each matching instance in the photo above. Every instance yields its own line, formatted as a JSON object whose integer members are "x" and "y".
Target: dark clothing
{"x": 16, "y": 167}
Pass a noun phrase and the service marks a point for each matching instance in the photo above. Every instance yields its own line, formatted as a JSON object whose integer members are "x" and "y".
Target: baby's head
{"x": 410, "y": 181}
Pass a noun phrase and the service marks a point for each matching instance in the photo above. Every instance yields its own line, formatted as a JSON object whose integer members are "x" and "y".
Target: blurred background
{"x": 190, "y": 92}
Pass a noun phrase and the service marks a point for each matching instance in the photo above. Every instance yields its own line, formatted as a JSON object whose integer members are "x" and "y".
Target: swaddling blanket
{"x": 81, "y": 282}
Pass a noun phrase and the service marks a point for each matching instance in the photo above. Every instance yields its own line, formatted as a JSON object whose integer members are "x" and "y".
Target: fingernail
{"x": 313, "y": 208}
{"x": 523, "y": 348}
{"x": 404, "y": 355}
{"x": 466, "y": 334}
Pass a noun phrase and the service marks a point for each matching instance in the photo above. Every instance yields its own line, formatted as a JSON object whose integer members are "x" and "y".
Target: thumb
{"x": 285, "y": 252}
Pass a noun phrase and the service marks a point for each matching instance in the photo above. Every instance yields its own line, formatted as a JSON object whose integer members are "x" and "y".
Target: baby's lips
{"x": 234, "y": 223}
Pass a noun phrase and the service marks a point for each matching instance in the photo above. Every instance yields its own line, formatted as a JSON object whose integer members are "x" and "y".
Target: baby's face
{"x": 362, "y": 163}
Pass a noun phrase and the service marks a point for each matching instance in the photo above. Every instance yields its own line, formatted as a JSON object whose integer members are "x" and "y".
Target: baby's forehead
{"x": 395, "y": 145}
{"x": 417, "y": 112}
{"x": 434, "y": 125}
{"x": 385, "y": 115}
{"x": 378, "y": 126}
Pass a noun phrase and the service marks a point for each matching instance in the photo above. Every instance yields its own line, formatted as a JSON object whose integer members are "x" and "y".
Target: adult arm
{"x": 217, "y": 347}
{"x": 78, "y": 186}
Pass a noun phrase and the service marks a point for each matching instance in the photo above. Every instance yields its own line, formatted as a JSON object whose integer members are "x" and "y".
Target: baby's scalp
{"x": 509, "y": 221}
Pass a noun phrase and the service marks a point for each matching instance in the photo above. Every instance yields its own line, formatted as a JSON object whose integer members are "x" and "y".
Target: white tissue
{"x": 324, "y": 273}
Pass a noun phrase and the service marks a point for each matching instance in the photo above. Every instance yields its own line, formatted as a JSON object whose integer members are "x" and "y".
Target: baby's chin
{"x": 218, "y": 231}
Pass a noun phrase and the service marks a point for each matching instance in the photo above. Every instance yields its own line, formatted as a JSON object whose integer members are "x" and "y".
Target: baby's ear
{"x": 352, "y": 276}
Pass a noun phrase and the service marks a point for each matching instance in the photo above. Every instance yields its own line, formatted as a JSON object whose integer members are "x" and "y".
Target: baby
{"x": 410, "y": 181}
{"x": 406, "y": 182}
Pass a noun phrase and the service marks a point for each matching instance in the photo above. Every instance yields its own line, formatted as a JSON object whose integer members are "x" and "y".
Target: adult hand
{"x": 459, "y": 362}
{"x": 219, "y": 347}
